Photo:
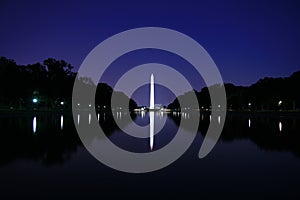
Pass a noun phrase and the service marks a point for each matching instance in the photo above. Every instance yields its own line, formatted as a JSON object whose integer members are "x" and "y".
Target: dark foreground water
{"x": 257, "y": 157}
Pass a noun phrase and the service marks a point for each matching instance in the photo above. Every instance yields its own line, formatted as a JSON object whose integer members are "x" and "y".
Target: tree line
{"x": 266, "y": 94}
{"x": 46, "y": 85}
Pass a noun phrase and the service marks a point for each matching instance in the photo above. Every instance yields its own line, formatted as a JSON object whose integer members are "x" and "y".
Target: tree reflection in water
{"x": 52, "y": 138}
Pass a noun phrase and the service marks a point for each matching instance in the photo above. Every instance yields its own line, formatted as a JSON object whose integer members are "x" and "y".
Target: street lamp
{"x": 280, "y": 105}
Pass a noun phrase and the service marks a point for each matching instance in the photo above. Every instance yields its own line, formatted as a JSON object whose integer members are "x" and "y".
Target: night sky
{"x": 248, "y": 40}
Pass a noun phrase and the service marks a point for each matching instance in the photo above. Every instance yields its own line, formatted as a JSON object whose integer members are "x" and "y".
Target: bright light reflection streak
{"x": 143, "y": 114}
{"x": 280, "y": 126}
{"x": 90, "y": 116}
{"x": 61, "y": 122}
{"x": 34, "y": 124}
{"x": 249, "y": 123}
{"x": 78, "y": 119}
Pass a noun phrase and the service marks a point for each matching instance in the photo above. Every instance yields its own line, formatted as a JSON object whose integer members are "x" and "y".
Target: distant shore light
{"x": 34, "y": 100}
{"x": 62, "y": 103}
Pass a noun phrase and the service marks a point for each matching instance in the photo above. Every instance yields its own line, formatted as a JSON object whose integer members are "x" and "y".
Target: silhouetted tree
{"x": 266, "y": 94}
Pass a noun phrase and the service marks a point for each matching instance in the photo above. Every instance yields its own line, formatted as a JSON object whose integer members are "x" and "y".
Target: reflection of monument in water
{"x": 151, "y": 129}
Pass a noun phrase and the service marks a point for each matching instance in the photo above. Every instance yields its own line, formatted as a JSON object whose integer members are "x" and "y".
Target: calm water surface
{"x": 256, "y": 157}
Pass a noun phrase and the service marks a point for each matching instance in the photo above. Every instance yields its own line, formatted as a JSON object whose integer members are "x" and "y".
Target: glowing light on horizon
{"x": 34, "y": 100}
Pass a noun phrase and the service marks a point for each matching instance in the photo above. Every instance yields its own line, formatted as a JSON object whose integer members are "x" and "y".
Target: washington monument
{"x": 151, "y": 92}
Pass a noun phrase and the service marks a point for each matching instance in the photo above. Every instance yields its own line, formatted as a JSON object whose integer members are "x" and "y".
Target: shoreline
{"x": 234, "y": 112}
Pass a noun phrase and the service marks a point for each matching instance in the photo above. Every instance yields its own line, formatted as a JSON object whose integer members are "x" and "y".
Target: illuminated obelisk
{"x": 151, "y": 109}
{"x": 151, "y": 92}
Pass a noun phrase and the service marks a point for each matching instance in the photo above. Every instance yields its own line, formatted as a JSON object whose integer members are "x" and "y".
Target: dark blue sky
{"x": 248, "y": 40}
